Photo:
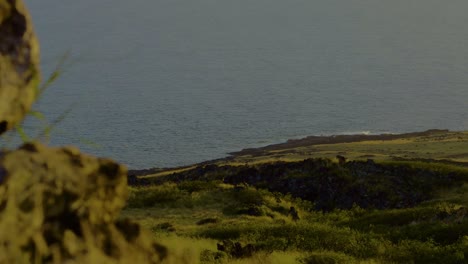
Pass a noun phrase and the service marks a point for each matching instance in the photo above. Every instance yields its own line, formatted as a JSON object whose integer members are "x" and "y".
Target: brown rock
{"x": 57, "y": 204}
{"x": 19, "y": 60}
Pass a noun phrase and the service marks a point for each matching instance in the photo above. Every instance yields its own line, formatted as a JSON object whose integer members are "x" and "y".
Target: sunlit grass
{"x": 450, "y": 145}
{"x": 433, "y": 232}
{"x": 192, "y": 217}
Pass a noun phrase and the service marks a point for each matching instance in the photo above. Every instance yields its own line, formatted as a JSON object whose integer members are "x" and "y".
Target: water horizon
{"x": 171, "y": 83}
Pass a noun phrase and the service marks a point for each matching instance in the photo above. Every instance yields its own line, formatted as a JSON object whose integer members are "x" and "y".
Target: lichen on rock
{"x": 19, "y": 63}
{"x": 57, "y": 204}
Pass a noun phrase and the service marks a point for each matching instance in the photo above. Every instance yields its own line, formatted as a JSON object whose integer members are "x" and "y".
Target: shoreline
{"x": 334, "y": 139}
{"x": 308, "y": 141}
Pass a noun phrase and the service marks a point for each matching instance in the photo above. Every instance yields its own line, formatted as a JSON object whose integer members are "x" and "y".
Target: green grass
{"x": 192, "y": 217}
{"x": 439, "y": 146}
{"x": 435, "y": 231}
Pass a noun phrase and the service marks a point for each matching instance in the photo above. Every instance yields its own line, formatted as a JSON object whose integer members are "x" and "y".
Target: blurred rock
{"x": 19, "y": 63}
{"x": 58, "y": 205}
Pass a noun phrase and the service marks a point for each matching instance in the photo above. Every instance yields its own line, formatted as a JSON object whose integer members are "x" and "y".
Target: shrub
{"x": 411, "y": 251}
{"x": 208, "y": 221}
{"x": 247, "y": 196}
{"x": 328, "y": 257}
{"x": 197, "y": 186}
{"x": 149, "y": 196}
{"x": 212, "y": 257}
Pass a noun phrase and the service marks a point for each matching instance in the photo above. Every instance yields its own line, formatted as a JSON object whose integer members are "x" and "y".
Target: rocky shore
{"x": 310, "y": 141}
{"x": 334, "y": 139}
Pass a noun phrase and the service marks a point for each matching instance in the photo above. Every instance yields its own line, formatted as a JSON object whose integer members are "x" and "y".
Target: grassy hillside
{"x": 276, "y": 207}
{"x": 432, "y": 144}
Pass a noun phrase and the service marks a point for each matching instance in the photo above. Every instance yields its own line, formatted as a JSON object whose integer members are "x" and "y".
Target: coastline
{"x": 335, "y": 139}
{"x": 284, "y": 196}
{"x": 311, "y": 146}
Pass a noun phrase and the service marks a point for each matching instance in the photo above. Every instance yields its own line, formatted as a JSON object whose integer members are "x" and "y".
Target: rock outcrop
{"x": 19, "y": 63}
{"x": 56, "y": 204}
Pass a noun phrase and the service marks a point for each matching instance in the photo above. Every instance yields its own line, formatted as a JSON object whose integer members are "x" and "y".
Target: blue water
{"x": 172, "y": 82}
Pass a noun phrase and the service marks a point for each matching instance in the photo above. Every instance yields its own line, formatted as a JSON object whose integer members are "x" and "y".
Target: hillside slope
{"x": 370, "y": 208}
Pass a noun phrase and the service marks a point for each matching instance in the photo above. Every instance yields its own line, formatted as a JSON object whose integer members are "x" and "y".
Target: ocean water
{"x": 159, "y": 83}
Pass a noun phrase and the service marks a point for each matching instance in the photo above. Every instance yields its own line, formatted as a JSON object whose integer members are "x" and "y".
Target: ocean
{"x": 160, "y": 83}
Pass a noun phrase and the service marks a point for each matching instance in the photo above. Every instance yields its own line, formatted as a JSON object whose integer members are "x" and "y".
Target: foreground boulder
{"x": 19, "y": 60}
{"x": 57, "y": 205}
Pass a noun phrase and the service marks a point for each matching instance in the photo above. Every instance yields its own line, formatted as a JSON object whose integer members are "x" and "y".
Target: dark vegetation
{"x": 391, "y": 212}
{"x": 328, "y": 185}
